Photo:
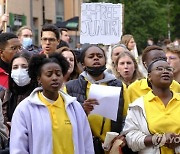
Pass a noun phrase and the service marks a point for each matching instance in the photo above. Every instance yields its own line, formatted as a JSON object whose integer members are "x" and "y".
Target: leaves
{"x": 149, "y": 19}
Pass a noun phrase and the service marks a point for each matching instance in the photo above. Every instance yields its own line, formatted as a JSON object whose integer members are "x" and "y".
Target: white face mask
{"x": 27, "y": 42}
{"x": 20, "y": 76}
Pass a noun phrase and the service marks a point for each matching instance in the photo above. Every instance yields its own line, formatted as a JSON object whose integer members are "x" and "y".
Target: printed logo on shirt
{"x": 67, "y": 122}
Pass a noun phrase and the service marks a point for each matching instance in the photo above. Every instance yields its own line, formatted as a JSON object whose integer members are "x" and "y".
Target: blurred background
{"x": 144, "y": 19}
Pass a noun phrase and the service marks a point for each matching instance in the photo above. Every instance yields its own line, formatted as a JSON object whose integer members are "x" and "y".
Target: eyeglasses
{"x": 163, "y": 69}
{"x": 51, "y": 40}
{"x": 14, "y": 48}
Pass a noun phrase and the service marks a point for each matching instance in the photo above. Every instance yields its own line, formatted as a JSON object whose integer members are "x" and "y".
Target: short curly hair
{"x": 4, "y": 37}
{"x": 37, "y": 61}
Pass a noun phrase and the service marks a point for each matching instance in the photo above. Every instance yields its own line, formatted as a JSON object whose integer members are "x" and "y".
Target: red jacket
{"x": 3, "y": 78}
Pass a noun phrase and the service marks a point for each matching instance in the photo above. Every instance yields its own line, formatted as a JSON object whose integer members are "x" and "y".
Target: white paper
{"x": 101, "y": 23}
{"x": 108, "y": 99}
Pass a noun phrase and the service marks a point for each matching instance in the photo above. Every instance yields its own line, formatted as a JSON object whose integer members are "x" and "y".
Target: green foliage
{"x": 175, "y": 16}
{"x": 149, "y": 19}
{"x": 144, "y": 19}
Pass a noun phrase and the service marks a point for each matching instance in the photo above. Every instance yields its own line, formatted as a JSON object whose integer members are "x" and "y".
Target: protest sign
{"x": 101, "y": 23}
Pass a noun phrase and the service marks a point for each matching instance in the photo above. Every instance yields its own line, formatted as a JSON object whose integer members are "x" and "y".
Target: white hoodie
{"x": 136, "y": 129}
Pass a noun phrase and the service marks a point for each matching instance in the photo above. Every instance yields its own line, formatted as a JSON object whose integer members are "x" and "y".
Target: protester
{"x": 64, "y": 35}
{"x": 152, "y": 124}
{"x": 49, "y": 39}
{"x": 25, "y": 36}
{"x": 141, "y": 87}
{"x": 93, "y": 60}
{"x": 166, "y": 42}
{"x": 128, "y": 41}
{"x": 176, "y": 42}
{"x": 115, "y": 51}
{"x": 78, "y": 46}
{"x": 73, "y": 71}
{"x": 20, "y": 84}
{"x": 9, "y": 45}
{"x": 150, "y": 42}
{"x": 50, "y": 121}
{"x": 126, "y": 68}
{"x": 173, "y": 58}
{"x": 4, "y": 19}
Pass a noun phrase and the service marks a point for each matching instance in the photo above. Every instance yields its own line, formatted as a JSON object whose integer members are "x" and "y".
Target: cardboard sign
{"x": 101, "y": 23}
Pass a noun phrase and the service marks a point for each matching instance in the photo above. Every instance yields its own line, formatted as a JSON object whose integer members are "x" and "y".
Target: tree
{"x": 175, "y": 18}
{"x": 149, "y": 19}
{"x": 144, "y": 19}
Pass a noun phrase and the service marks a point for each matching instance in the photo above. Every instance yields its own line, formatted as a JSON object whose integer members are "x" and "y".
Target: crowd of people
{"x": 45, "y": 102}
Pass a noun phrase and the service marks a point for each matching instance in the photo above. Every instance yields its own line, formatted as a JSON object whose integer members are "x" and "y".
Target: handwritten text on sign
{"x": 101, "y": 23}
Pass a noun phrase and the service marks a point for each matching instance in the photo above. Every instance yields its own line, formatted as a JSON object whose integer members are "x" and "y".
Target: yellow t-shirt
{"x": 125, "y": 95}
{"x": 140, "y": 88}
{"x": 96, "y": 121}
{"x": 162, "y": 119}
{"x": 126, "y": 99}
{"x": 61, "y": 126}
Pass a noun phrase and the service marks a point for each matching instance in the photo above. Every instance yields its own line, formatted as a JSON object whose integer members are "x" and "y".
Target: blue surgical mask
{"x": 26, "y": 42}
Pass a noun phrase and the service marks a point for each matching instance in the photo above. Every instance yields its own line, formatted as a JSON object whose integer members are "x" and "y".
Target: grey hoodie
{"x": 107, "y": 77}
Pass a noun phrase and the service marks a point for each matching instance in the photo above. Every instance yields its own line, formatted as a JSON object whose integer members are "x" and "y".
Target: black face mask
{"x": 95, "y": 71}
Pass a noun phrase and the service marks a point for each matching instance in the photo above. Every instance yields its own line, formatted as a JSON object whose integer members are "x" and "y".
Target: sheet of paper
{"x": 108, "y": 99}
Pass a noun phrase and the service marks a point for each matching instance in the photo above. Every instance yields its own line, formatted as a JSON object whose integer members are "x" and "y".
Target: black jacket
{"x": 77, "y": 88}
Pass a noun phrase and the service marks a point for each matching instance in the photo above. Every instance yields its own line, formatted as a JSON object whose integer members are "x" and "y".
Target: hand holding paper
{"x": 108, "y": 99}
{"x": 89, "y": 104}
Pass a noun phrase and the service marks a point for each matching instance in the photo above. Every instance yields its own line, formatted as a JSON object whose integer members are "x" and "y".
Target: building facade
{"x": 35, "y": 13}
